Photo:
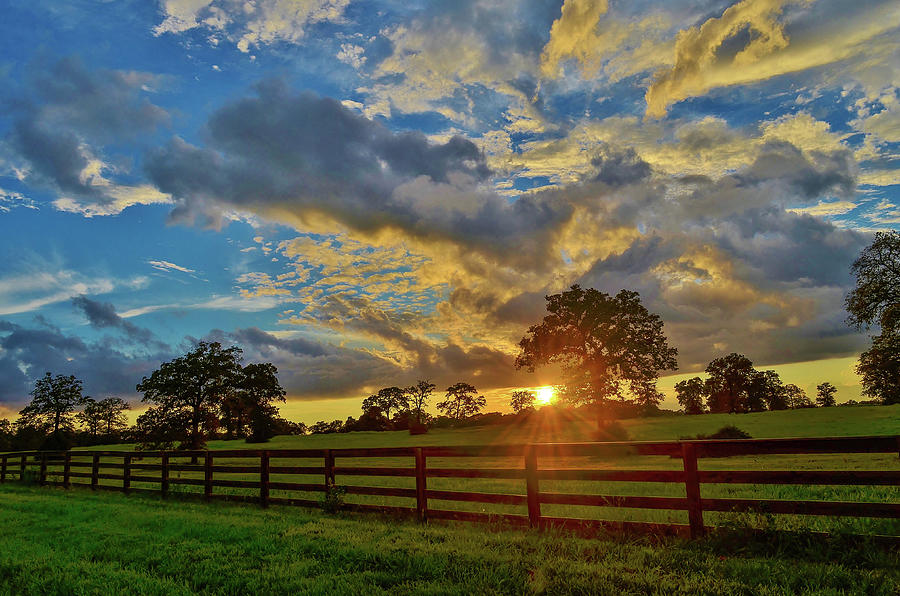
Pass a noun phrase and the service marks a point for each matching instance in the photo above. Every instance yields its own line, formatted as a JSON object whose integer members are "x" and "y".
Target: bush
{"x": 727, "y": 432}
{"x": 333, "y": 499}
{"x": 611, "y": 431}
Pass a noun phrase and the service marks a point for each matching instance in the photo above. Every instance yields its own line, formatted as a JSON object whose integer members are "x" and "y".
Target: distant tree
{"x": 879, "y": 369}
{"x": 418, "y": 395}
{"x": 112, "y": 414}
{"x": 53, "y": 402}
{"x": 158, "y": 429}
{"x": 690, "y": 394}
{"x": 796, "y": 397}
{"x": 825, "y": 395}
{"x": 286, "y": 427}
{"x": 322, "y": 427}
{"x": 522, "y": 401}
{"x": 604, "y": 344}
{"x": 190, "y": 389}
{"x": 258, "y": 388}
{"x": 728, "y": 384}
{"x": 462, "y": 401}
{"x": 766, "y": 391}
{"x": 90, "y": 416}
{"x": 7, "y": 435}
{"x": 388, "y": 399}
{"x": 371, "y": 419}
{"x": 876, "y": 297}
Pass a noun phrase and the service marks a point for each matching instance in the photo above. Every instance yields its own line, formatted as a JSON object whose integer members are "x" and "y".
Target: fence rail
{"x": 132, "y": 468}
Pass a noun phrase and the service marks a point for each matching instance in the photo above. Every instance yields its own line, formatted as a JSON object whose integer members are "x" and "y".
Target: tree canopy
{"x": 188, "y": 390}
{"x": 418, "y": 395}
{"x": 690, "y": 394}
{"x": 606, "y": 345}
{"x": 876, "y": 297}
{"x": 522, "y": 401}
{"x": 879, "y": 368}
{"x": 53, "y": 402}
{"x": 825, "y": 395}
{"x": 462, "y": 401}
{"x": 388, "y": 399}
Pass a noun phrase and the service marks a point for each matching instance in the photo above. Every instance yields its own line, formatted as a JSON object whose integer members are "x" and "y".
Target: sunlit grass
{"x": 78, "y": 542}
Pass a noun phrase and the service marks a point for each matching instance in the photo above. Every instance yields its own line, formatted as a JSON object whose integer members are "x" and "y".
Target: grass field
{"x": 812, "y": 422}
{"x": 78, "y": 542}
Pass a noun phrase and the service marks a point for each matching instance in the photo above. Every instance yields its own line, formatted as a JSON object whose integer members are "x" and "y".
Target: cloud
{"x": 254, "y": 23}
{"x": 62, "y": 120}
{"x": 753, "y": 41}
{"x": 10, "y": 199}
{"x": 102, "y": 315}
{"x": 27, "y": 353}
{"x": 168, "y": 266}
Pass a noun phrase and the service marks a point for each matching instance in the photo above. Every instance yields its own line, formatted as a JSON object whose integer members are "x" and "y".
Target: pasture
{"x": 817, "y": 422}
{"x": 79, "y": 542}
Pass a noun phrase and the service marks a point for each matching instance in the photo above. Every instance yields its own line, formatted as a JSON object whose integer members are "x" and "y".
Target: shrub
{"x": 333, "y": 499}
{"x": 727, "y": 432}
{"x": 611, "y": 431}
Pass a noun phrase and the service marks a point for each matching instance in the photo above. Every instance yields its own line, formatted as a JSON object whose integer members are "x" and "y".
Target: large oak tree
{"x": 606, "y": 345}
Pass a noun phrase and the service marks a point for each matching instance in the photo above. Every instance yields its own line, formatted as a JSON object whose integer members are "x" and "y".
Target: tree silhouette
{"x": 90, "y": 416}
{"x": 876, "y": 297}
{"x": 462, "y": 401}
{"x": 604, "y": 345}
{"x": 766, "y": 391}
{"x": 728, "y": 385}
{"x": 189, "y": 389}
{"x": 825, "y": 395}
{"x": 796, "y": 397}
{"x": 879, "y": 369}
{"x": 522, "y": 401}
{"x": 53, "y": 402}
{"x": 690, "y": 394}
{"x": 418, "y": 395}
{"x": 388, "y": 399}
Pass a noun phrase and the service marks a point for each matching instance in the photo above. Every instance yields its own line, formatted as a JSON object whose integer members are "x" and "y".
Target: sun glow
{"x": 544, "y": 395}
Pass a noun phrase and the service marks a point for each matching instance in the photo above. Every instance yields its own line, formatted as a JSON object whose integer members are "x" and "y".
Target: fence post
{"x": 207, "y": 476}
{"x": 421, "y": 475}
{"x": 329, "y": 469}
{"x": 3, "y": 470}
{"x": 95, "y": 471}
{"x": 692, "y": 489}
{"x": 164, "y": 474}
{"x": 67, "y": 470}
{"x": 264, "y": 479}
{"x": 126, "y": 474}
{"x": 532, "y": 487}
{"x": 42, "y": 478}
{"x": 22, "y": 465}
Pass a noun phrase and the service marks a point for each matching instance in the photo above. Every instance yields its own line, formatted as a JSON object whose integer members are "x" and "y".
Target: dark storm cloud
{"x": 619, "y": 167}
{"x": 103, "y": 315}
{"x": 308, "y": 368}
{"x": 65, "y": 114}
{"x": 307, "y": 154}
{"x": 26, "y": 354}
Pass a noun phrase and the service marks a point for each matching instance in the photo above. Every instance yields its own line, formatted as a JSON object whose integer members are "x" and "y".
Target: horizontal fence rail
{"x": 88, "y": 468}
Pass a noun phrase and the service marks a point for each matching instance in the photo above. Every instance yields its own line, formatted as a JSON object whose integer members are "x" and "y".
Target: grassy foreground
{"x": 77, "y": 542}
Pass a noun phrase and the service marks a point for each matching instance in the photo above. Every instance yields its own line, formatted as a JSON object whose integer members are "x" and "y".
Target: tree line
{"x": 734, "y": 386}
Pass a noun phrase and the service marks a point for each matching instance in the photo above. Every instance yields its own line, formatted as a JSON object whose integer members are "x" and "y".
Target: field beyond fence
{"x": 536, "y": 481}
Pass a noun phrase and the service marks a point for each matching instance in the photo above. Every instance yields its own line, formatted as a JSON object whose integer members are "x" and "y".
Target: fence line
{"x": 134, "y": 469}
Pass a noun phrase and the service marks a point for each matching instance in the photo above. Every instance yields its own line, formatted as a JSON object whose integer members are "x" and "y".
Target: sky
{"x": 367, "y": 193}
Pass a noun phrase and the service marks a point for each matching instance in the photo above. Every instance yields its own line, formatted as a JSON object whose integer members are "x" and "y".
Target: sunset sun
{"x": 544, "y": 395}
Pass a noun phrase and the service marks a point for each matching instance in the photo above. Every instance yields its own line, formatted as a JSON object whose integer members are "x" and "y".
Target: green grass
{"x": 812, "y": 422}
{"x": 78, "y": 542}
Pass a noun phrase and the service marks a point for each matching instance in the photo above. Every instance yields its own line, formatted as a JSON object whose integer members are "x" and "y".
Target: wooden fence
{"x": 84, "y": 468}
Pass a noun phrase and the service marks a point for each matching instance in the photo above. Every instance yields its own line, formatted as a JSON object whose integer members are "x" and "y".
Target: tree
{"x": 258, "y": 388}
{"x": 604, "y": 345}
{"x": 879, "y": 369}
{"x": 388, "y": 399}
{"x": 53, "y": 402}
{"x": 690, "y": 394}
{"x": 876, "y": 297}
{"x": 418, "y": 395}
{"x": 796, "y": 397}
{"x": 522, "y": 401}
{"x": 825, "y": 395}
{"x": 462, "y": 401}
{"x": 766, "y": 391}
{"x": 190, "y": 389}
{"x": 728, "y": 384}
{"x": 90, "y": 416}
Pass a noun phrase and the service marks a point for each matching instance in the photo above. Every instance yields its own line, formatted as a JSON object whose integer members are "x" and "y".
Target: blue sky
{"x": 368, "y": 193}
